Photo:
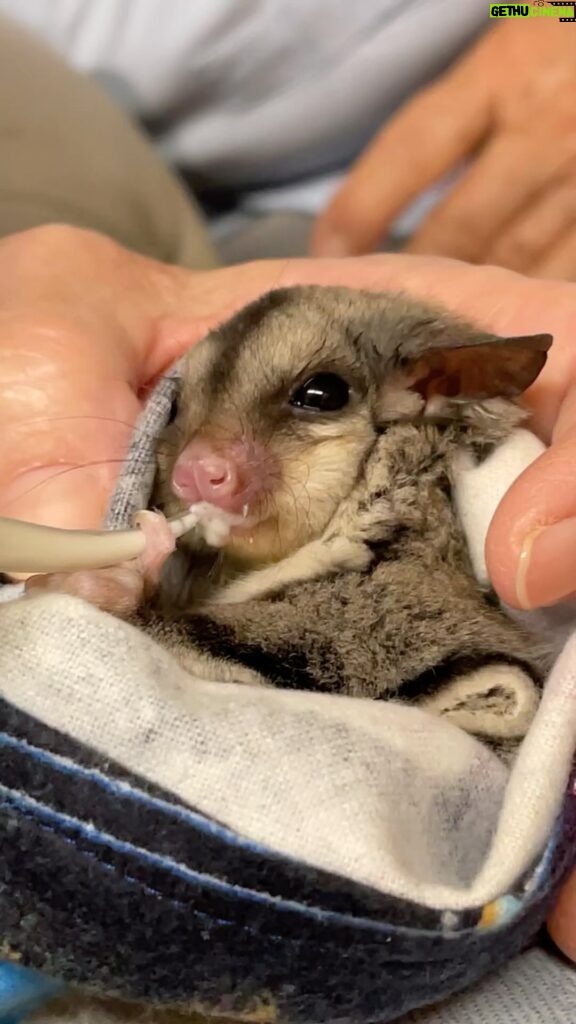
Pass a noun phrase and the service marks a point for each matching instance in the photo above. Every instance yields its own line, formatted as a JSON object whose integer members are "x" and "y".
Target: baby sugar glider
{"x": 328, "y": 422}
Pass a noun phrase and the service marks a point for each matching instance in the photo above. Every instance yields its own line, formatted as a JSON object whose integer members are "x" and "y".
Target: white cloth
{"x": 432, "y": 814}
{"x": 78, "y": 669}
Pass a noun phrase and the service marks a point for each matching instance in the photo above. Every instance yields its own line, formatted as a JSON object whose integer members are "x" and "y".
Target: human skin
{"x": 506, "y": 109}
{"x": 86, "y": 327}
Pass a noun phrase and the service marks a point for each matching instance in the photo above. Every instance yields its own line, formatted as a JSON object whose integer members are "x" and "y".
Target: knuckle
{"x": 60, "y": 242}
{"x": 521, "y": 247}
{"x": 50, "y": 236}
{"x": 569, "y": 167}
{"x": 457, "y": 229}
{"x": 353, "y": 218}
{"x": 569, "y": 202}
{"x": 567, "y": 152}
{"x": 436, "y": 97}
{"x": 53, "y": 245}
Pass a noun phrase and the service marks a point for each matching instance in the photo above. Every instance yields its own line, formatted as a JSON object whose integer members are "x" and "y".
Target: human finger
{"x": 535, "y": 234}
{"x": 427, "y": 138}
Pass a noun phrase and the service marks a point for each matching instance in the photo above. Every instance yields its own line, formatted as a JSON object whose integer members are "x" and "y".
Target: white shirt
{"x": 273, "y": 97}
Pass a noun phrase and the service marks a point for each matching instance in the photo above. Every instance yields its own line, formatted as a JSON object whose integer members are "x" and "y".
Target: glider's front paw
{"x": 118, "y": 589}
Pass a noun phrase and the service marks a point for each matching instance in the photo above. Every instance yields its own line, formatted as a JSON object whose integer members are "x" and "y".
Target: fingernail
{"x": 145, "y": 515}
{"x": 547, "y": 565}
{"x": 331, "y": 246}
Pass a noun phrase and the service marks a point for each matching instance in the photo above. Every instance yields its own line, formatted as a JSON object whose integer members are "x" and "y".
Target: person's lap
{"x": 70, "y": 156}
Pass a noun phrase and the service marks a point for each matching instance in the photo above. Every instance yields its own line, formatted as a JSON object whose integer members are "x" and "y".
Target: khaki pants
{"x": 68, "y": 155}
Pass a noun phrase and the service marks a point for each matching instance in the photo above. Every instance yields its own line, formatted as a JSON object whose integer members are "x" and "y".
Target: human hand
{"x": 86, "y": 327}
{"x": 507, "y": 108}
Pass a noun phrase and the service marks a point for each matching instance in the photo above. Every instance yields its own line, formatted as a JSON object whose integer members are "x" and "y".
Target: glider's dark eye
{"x": 173, "y": 411}
{"x": 326, "y": 392}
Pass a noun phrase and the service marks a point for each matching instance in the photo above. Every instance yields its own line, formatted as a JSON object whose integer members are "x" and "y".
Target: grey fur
{"x": 396, "y": 613}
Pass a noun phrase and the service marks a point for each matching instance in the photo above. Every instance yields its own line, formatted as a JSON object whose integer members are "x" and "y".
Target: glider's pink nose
{"x": 203, "y": 474}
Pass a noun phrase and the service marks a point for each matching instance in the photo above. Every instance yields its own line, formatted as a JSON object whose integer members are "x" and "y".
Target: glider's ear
{"x": 488, "y": 368}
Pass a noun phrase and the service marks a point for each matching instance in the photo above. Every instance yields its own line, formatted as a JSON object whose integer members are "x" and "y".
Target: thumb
{"x": 78, "y": 323}
{"x": 531, "y": 543}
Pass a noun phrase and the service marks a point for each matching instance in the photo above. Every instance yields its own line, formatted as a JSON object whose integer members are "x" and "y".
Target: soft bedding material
{"x": 266, "y": 855}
